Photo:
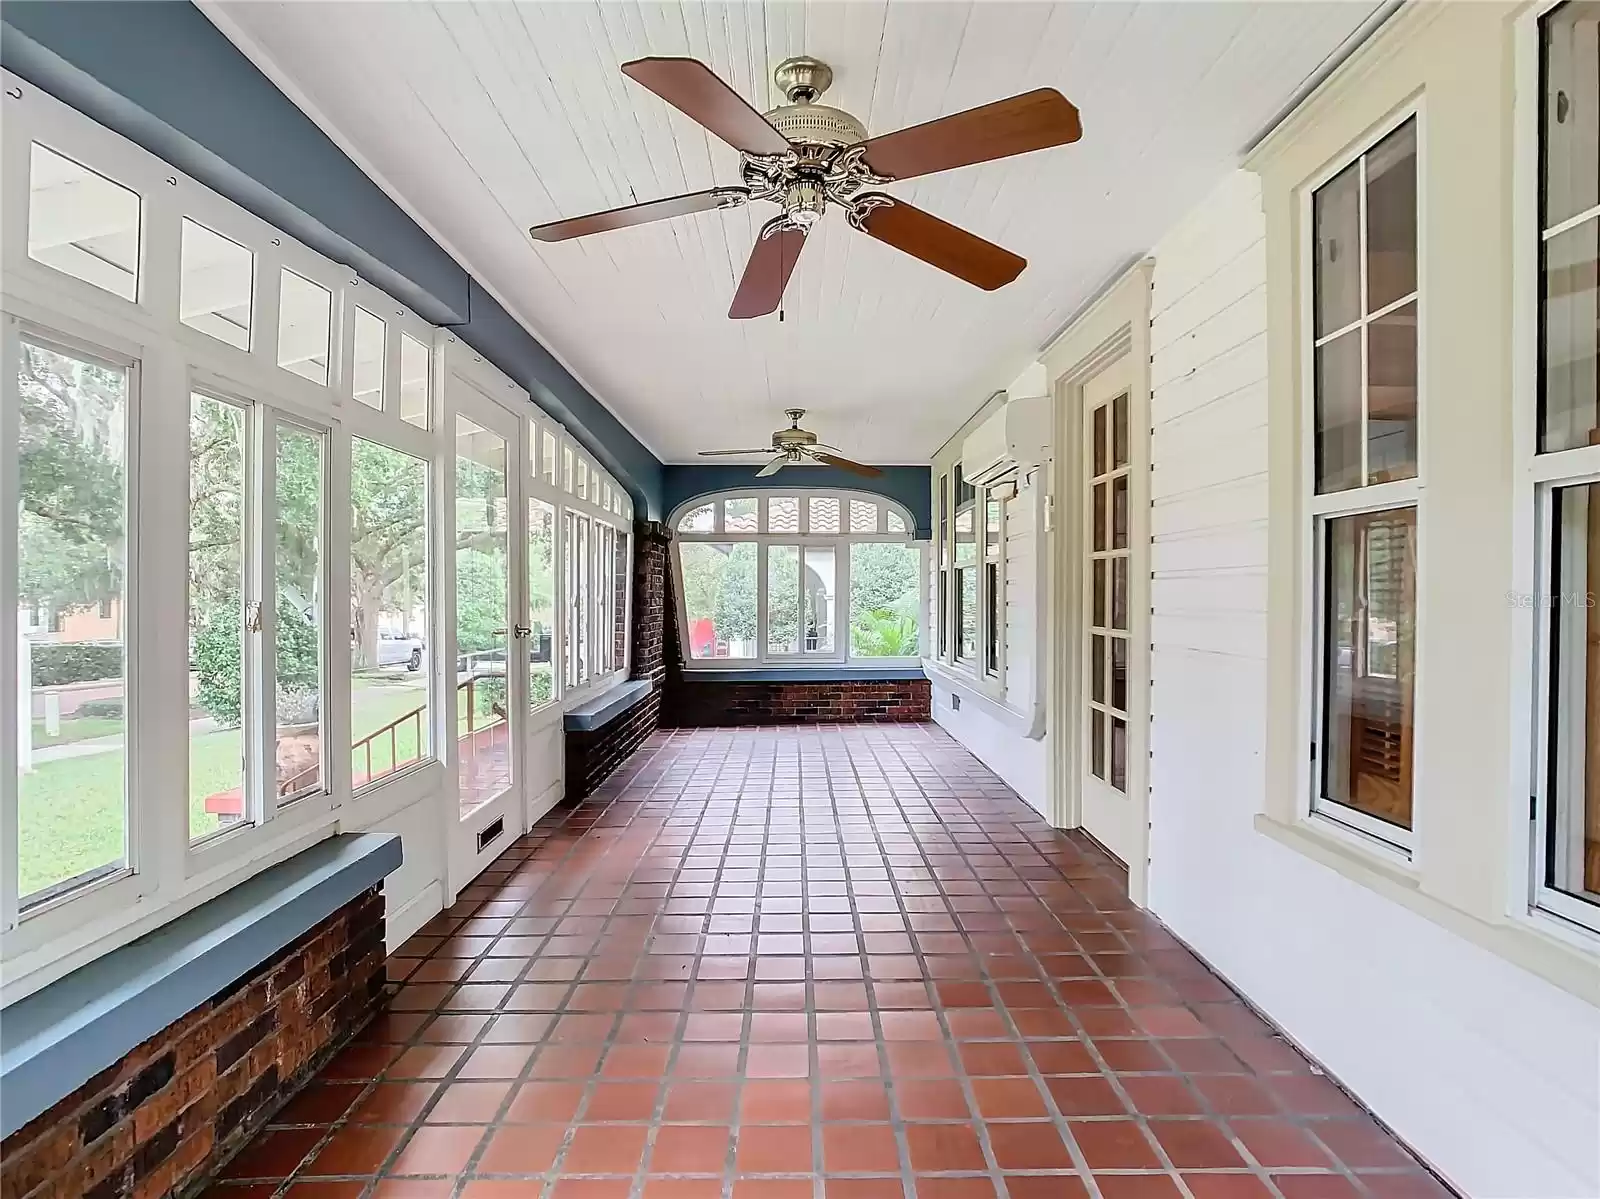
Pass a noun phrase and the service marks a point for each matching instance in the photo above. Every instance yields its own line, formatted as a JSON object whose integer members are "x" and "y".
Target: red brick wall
{"x": 162, "y": 1119}
{"x": 703, "y": 703}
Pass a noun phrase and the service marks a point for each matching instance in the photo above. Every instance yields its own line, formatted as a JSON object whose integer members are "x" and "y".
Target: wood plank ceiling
{"x": 483, "y": 118}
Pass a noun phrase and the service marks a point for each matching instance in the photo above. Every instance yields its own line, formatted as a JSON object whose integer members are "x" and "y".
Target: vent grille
{"x": 491, "y": 832}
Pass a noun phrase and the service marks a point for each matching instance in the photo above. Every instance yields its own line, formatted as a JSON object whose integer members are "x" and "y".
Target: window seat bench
{"x": 602, "y": 732}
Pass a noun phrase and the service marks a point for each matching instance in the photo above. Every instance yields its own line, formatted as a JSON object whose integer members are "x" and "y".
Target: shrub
{"x": 100, "y": 709}
{"x": 56, "y": 664}
{"x": 219, "y": 664}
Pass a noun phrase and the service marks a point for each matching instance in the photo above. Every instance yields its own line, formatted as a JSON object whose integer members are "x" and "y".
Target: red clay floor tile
{"x": 812, "y": 964}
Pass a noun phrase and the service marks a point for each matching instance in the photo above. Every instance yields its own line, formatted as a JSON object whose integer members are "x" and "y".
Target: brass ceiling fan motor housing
{"x": 803, "y": 80}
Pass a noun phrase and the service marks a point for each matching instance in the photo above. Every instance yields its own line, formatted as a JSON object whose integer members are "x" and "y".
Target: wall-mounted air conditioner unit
{"x": 1009, "y": 444}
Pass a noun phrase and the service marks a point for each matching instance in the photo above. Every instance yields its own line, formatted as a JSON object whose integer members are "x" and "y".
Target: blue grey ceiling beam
{"x": 166, "y": 78}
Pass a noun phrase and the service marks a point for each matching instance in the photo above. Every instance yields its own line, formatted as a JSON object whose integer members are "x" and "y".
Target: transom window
{"x": 1364, "y": 484}
{"x": 1566, "y": 470}
{"x": 797, "y": 578}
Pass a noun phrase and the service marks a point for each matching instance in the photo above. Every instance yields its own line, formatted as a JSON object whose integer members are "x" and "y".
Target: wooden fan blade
{"x": 1031, "y": 121}
{"x": 941, "y": 244}
{"x": 772, "y": 467}
{"x": 767, "y": 273}
{"x": 855, "y": 468}
{"x": 766, "y": 449}
{"x": 690, "y": 86}
{"x": 639, "y": 214}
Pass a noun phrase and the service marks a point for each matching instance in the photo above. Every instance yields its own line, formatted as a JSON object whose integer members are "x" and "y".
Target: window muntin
{"x": 1566, "y": 840}
{"x": 1364, "y": 303}
{"x": 1365, "y": 403}
{"x": 390, "y": 715}
{"x": 83, "y": 224}
{"x": 72, "y": 521}
{"x": 1110, "y": 469}
{"x": 216, "y": 282}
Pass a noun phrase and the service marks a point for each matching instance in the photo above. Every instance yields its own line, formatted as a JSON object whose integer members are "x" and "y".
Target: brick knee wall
{"x": 162, "y": 1120}
{"x": 705, "y": 703}
{"x": 593, "y": 756}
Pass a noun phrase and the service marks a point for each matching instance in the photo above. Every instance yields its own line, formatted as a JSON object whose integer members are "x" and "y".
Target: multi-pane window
{"x": 965, "y": 617}
{"x": 541, "y": 601}
{"x": 1567, "y": 469}
{"x": 771, "y": 577}
{"x": 1365, "y": 404}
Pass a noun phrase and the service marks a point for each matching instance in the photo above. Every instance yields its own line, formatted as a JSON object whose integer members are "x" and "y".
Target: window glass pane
{"x": 1392, "y": 217}
{"x": 783, "y": 514}
{"x": 541, "y": 602}
{"x": 1119, "y": 753}
{"x": 550, "y": 457}
{"x": 414, "y": 381}
{"x": 583, "y": 479}
{"x": 1119, "y": 673}
{"x": 819, "y": 594}
{"x": 569, "y": 593}
{"x": 1099, "y": 440}
{"x": 991, "y": 526}
{"x": 863, "y": 516}
{"x": 220, "y": 693}
{"x": 1571, "y": 121}
{"x": 72, "y": 515}
{"x": 579, "y": 629}
{"x": 1336, "y": 229}
{"x": 1119, "y": 593}
{"x": 619, "y": 601}
{"x": 823, "y": 513}
{"x": 389, "y": 654}
{"x": 366, "y": 367}
{"x": 1119, "y": 430}
{"x": 1098, "y": 517}
{"x": 1119, "y": 513}
{"x": 963, "y": 490}
{"x": 1570, "y": 367}
{"x": 741, "y": 515}
{"x": 83, "y": 224}
{"x": 483, "y": 762}
{"x": 1572, "y": 824}
{"x": 1368, "y": 651}
{"x": 967, "y": 612}
{"x": 1097, "y": 743}
{"x": 783, "y": 599}
{"x": 994, "y": 619}
{"x": 298, "y": 631}
{"x": 566, "y": 469}
{"x": 884, "y": 600}
{"x": 1392, "y": 396}
{"x": 897, "y": 523}
{"x": 216, "y": 276}
{"x": 1097, "y": 668}
{"x": 1098, "y": 593}
{"x": 719, "y": 598}
{"x": 698, "y": 520}
{"x": 304, "y": 323}
{"x": 1338, "y": 404}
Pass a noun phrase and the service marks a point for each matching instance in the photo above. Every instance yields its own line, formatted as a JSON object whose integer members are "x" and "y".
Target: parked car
{"x": 397, "y": 648}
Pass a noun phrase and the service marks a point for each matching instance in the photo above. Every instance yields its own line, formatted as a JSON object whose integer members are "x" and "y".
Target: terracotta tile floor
{"x": 837, "y": 963}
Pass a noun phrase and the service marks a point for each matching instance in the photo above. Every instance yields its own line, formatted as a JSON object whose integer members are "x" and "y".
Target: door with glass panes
{"x": 1112, "y": 732}
{"x": 487, "y": 546}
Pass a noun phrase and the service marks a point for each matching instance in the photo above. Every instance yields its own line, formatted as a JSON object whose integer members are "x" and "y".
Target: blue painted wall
{"x": 909, "y": 485}
{"x": 164, "y": 77}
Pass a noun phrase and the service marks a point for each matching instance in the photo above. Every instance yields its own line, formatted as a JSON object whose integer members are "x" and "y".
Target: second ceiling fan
{"x": 805, "y": 156}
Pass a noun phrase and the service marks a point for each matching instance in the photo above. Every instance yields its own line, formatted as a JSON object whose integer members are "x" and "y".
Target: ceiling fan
{"x": 804, "y": 156}
{"x": 794, "y": 446}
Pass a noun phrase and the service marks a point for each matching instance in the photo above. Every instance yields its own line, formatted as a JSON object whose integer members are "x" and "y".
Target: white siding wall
{"x": 1486, "y": 1070}
{"x": 1022, "y": 762}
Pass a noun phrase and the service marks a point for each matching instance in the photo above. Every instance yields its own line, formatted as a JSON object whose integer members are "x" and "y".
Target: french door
{"x": 487, "y": 520}
{"x": 1113, "y": 685}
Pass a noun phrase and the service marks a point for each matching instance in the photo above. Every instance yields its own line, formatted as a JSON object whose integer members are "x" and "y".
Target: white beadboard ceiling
{"x": 483, "y": 118}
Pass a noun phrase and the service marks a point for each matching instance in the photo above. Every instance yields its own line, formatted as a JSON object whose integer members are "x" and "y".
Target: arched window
{"x": 797, "y": 578}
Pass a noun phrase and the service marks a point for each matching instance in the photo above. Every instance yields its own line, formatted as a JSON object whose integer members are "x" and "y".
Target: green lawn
{"x": 70, "y": 812}
{"x": 75, "y": 728}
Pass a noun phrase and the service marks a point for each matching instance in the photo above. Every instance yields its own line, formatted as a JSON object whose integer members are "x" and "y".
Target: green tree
{"x": 70, "y": 479}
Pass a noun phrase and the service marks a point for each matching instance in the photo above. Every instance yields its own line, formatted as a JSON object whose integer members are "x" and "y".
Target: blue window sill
{"x": 57, "y": 1039}
{"x": 614, "y": 701}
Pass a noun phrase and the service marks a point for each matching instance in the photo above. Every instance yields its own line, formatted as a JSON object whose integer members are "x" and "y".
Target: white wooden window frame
{"x": 1362, "y": 831}
{"x": 1533, "y": 901}
{"x": 971, "y": 673}
{"x": 165, "y": 874}
{"x": 803, "y": 538}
